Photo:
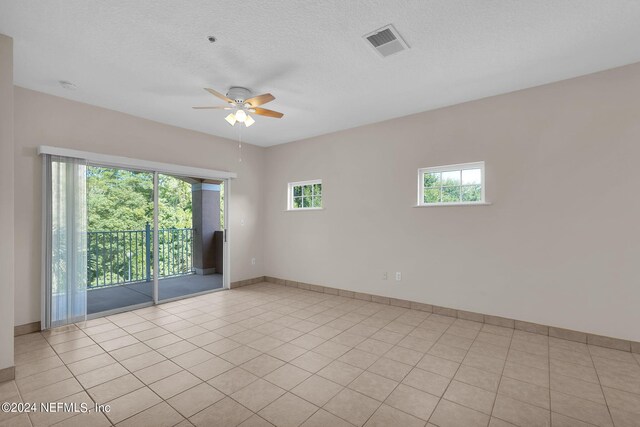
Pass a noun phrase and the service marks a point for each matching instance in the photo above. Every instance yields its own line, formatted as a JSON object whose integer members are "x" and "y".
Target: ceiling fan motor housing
{"x": 239, "y": 94}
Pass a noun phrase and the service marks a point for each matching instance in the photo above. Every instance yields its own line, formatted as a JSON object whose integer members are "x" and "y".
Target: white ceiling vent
{"x": 386, "y": 41}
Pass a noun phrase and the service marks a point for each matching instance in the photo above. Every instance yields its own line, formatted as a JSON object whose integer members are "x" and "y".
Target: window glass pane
{"x": 452, "y": 185}
{"x": 317, "y": 189}
{"x": 432, "y": 195}
{"x": 306, "y": 202}
{"x": 432, "y": 180}
{"x": 451, "y": 178}
{"x": 297, "y": 202}
{"x": 297, "y": 191}
{"x": 471, "y": 193}
{"x": 471, "y": 176}
{"x": 450, "y": 194}
{"x": 317, "y": 201}
{"x": 307, "y": 190}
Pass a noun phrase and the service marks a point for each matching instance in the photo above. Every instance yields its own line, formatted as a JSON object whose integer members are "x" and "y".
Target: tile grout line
{"x": 22, "y": 400}
{"x": 275, "y": 281}
{"x": 129, "y": 373}
{"x": 239, "y": 366}
{"x": 369, "y": 337}
{"x": 550, "y": 389}
{"x": 294, "y": 301}
{"x": 440, "y": 398}
{"x": 405, "y": 334}
{"x": 182, "y": 369}
{"x": 73, "y": 375}
{"x": 452, "y": 378}
{"x": 549, "y": 370}
{"x": 365, "y": 370}
{"x": 354, "y": 347}
{"x": 399, "y": 382}
{"x": 118, "y": 362}
{"x": 315, "y": 373}
{"x": 502, "y": 376}
{"x": 601, "y": 386}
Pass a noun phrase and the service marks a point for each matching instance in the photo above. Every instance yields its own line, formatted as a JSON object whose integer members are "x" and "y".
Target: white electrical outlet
{"x": 398, "y": 276}
{"x": 385, "y": 276}
{"x": 253, "y": 261}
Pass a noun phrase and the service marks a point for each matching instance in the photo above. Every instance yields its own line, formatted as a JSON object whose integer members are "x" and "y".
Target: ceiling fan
{"x": 241, "y": 103}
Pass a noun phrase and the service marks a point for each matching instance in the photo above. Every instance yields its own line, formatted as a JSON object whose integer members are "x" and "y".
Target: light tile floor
{"x": 269, "y": 355}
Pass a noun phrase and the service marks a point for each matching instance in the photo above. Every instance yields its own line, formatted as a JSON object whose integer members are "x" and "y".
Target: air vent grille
{"x": 386, "y": 41}
{"x": 383, "y": 37}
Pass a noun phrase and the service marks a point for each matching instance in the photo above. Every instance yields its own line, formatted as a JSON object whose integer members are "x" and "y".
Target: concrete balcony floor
{"x": 114, "y": 297}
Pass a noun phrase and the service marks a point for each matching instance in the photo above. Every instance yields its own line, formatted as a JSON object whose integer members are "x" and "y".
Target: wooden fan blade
{"x": 219, "y": 95}
{"x": 268, "y": 113}
{"x": 212, "y": 108}
{"x": 260, "y": 99}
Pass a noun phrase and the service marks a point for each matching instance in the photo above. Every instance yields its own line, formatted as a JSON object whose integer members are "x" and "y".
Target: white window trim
{"x": 446, "y": 168}
{"x": 290, "y": 195}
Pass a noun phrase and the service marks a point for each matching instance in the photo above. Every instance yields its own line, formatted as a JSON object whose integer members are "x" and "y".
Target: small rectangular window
{"x": 453, "y": 184}
{"x": 305, "y": 195}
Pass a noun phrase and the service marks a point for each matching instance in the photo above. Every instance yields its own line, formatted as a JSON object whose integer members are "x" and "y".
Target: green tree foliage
{"x": 174, "y": 202}
{"x": 119, "y": 207}
{"x": 120, "y": 200}
{"x": 446, "y": 187}
{"x": 307, "y": 196}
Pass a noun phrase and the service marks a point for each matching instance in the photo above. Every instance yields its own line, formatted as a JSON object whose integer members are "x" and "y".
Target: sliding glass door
{"x": 190, "y": 236}
{"x": 117, "y": 239}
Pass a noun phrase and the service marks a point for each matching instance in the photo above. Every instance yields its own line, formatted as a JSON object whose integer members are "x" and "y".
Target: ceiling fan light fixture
{"x": 241, "y": 105}
{"x": 241, "y": 116}
{"x": 231, "y": 119}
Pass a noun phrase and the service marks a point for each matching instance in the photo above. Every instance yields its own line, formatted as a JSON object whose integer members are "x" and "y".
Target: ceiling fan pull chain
{"x": 239, "y": 143}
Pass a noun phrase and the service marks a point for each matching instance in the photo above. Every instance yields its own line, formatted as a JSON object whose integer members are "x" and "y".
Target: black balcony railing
{"x": 120, "y": 257}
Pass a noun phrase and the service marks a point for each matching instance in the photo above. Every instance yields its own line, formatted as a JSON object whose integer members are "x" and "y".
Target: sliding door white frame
{"x": 146, "y": 166}
{"x": 226, "y": 246}
{"x": 138, "y": 164}
{"x": 226, "y": 252}
{"x": 45, "y": 260}
{"x": 156, "y": 244}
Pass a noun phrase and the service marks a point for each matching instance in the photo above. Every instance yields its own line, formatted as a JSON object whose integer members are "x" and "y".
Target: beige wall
{"x": 47, "y": 120}
{"x": 560, "y": 245}
{"x": 6, "y": 202}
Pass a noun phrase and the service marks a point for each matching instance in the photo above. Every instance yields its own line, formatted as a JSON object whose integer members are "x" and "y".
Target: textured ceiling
{"x": 152, "y": 58}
